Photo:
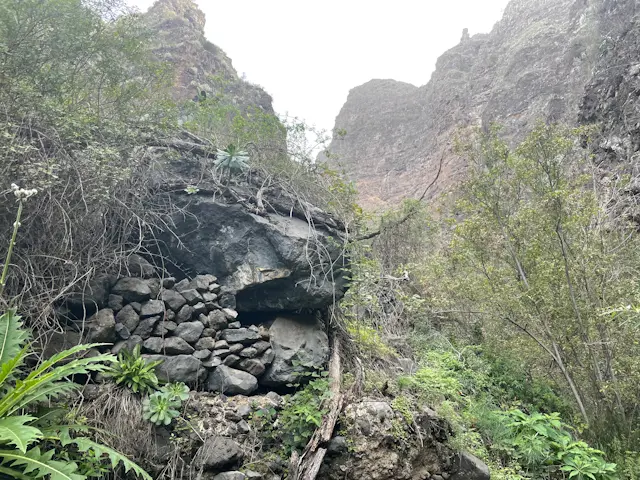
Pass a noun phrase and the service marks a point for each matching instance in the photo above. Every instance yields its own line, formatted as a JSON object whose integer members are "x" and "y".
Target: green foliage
{"x": 542, "y": 444}
{"x": 23, "y": 437}
{"x": 232, "y": 159}
{"x": 134, "y": 372}
{"x": 162, "y": 407}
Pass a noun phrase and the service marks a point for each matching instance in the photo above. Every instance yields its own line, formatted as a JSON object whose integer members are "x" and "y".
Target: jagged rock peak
{"x": 186, "y": 9}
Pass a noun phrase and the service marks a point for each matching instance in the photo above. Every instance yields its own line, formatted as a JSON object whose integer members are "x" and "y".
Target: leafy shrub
{"x": 30, "y": 445}
{"x": 134, "y": 372}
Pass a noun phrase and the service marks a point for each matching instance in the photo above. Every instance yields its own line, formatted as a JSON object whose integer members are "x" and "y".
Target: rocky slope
{"x": 200, "y": 66}
{"x": 533, "y": 65}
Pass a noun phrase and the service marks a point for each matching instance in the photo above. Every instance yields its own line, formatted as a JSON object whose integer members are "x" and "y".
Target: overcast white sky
{"x": 309, "y": 54}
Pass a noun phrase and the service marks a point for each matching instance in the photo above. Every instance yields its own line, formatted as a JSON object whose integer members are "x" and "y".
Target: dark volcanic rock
{"x": 240, "y": 335}
{"x": 101, "y": 328}
{"x": 178, "y": 368}
{"x": 219, "y": 452}
{"x": 296, "y": 341}
{"x": 231, "y": 381}
{"x": 132, "y": 289}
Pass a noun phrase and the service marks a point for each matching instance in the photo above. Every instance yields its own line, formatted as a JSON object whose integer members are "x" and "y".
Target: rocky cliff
{"x": 533, "y": 65}
{"x": 200, "y": 66}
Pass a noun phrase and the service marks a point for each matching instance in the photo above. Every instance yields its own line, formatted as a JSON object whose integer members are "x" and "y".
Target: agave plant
{"x": 28, "y": 442}
{"x": 232, "y": 159}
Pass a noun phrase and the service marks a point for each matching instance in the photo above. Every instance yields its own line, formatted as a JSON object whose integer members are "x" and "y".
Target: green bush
{"x": 31, "y": 446}
{"x": 134, "y": 372}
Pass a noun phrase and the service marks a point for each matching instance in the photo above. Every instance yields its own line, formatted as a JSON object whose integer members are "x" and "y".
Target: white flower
{"x": 23, "y": 193}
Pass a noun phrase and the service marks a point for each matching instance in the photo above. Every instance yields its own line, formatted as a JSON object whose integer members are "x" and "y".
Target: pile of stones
{"x": 191, "y": 326}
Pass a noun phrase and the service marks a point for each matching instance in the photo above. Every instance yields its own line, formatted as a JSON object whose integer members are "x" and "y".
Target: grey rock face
{"x": 297, "y": 340}
{"x": 153, "y": 345}
{"x": 178, "y": 368}
{"x": 173, "y": 299}
{"x": 101, "y": 328}
{"x": 270, "y": 274}
{"x": 192, "y": 296}
{"x": 217, "y": 320}
{"x": 206, "y": 343}
{"x": 468, "y": 467}
{"x": 92, "y": 296}
{"x": 517, "y": 74}
{"x": 122, "y": 331}
{"x": 189, "y": 331}
{"x": 231, "y": 360}
{"x": 240, "y": 335}
{"x": 132, "y": 289}
{"x": 231, "y": 381}
{"x": 185, "y": 314}
{"x": 115, "y": 302}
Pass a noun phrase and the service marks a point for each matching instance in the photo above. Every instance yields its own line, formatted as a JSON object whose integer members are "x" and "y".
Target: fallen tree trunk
{"x": 307, "y": 466}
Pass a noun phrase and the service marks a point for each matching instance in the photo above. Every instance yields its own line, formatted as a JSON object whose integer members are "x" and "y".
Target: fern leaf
{"x": 8, "y": 368}
{"x": 12, "y": 335}
{"x": 15, "y": 431}
{"x": 38, "y": 465}
{"x": 13, "y": 473}
{"x": 85, "y": 444}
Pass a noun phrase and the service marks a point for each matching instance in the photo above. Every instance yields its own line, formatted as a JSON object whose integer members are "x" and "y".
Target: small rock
{"x": 153, "y": 345}
{"x": 122, "y": 331}
{"x": 182, "y": 285}
{"x": 469, "y": 467}
{"x": 275, "y": 399}
{"x": 219, "y": 452}
{"x": 268, "y": 357}
{"x": 129, "y": 344}
{"x": 200, "y": 283}
{"x": 163, "y": 328}
{"x": 211, "y": 306}
{"x": 152, "y": 308}
{"x": 251, "y": 475}
{"x": 137, "y": 307}
{"x": 115, "y": 302}
{"x": 101, "y": 327}
{"x": 169, "y": 315}
{"x": 199, "y": 309}
{"x": 240, "y": 335}
{"x": 206, "y": 343}
{"x": 185, "y": 314}
{"x": 236, "y": 348}
{"x": 132, "y": 289}
{"x": 227, "y": 300}
{"x": 253, "y": 366}
{"x": 213, "y": 362}
{"x": 217, "y": 320}
{"x": 209, "y": 297}
{"x": 192, "y": 296}
{"x": 244, "y": 410}
{"x": 231, "y": 360}
{"x": 261, "y": 346}
{"x": 243, "y": 426}
{"x": 189, "y": 331}
{"x": 202, "y": 355}
{"x": 230, "y": 476}
{"x": 223, "y": 352}
{"x": 172, "y": 299}
{"x": 139, "y": 266}
{"x": 168, "y": 282}
{"x": 254, "y": 328}
{"x": 264, "y": 332}
{"x": 230, "y": 381}
{"x": 230, "y": 313}
{"x": 214, "y": 287}
{"x": 154, "y": 285}
{"x": 221, "y": 344}
{"x": 209, "y": 332}
{"x": 145, "y": 327}
{"x": 249, "y": 352}
{"x": 235, "y": 325}
{"x": 177, "y": 346}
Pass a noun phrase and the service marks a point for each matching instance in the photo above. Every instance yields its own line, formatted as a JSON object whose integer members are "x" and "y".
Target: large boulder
{"x": 218, "y": 452}
{"x": 264, "y": 260}
{"x": 179, "y": 368}
{"x": 132, "y": 289}
{"x": 299, "y": 344}
{"x": 231, "y": 381}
